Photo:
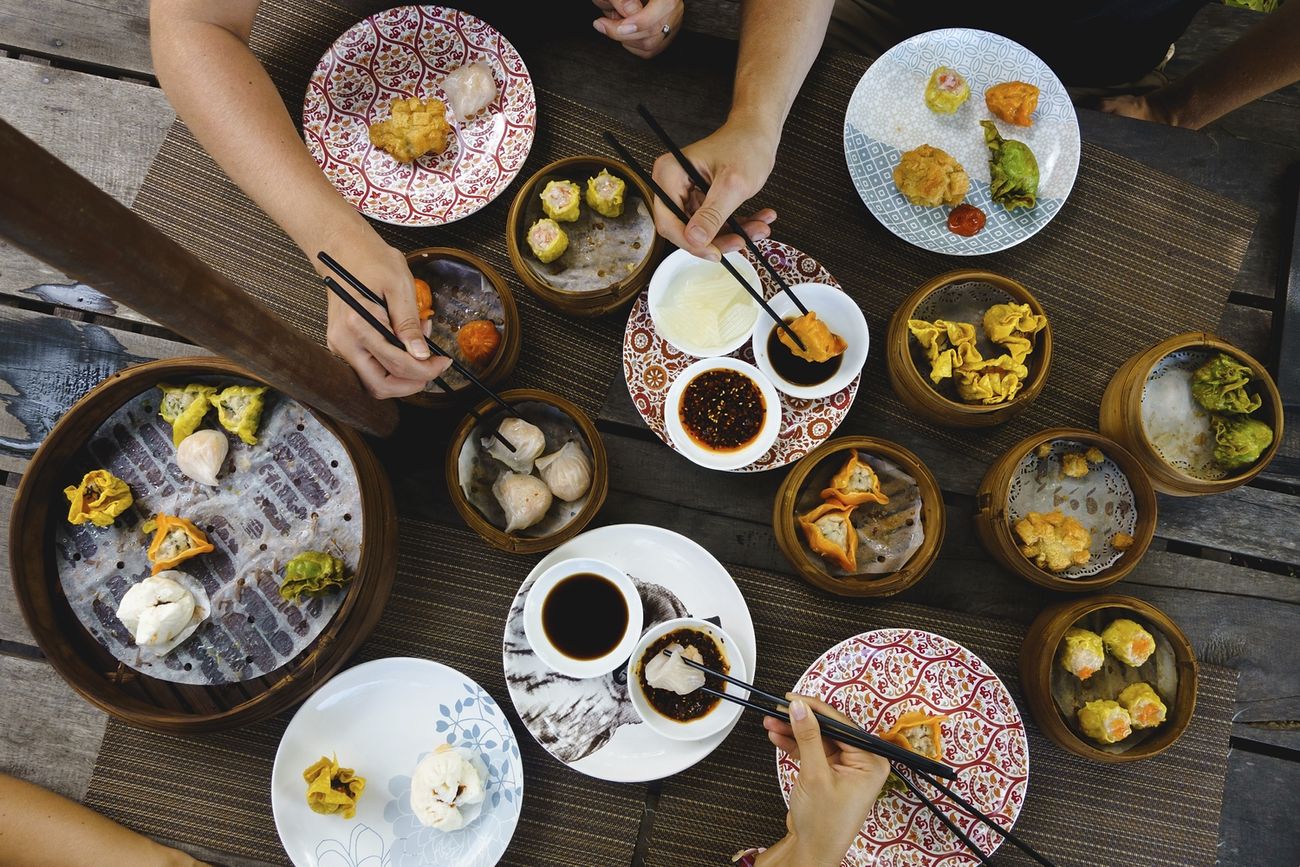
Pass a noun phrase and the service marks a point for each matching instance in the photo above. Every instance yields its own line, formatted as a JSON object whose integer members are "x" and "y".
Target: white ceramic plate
{"x": 381, "y": 718}
{"x": 590, "y": 725}
{"x": 887, "y": 115}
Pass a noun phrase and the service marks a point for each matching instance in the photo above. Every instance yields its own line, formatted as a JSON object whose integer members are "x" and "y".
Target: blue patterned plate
{"x": 887, "y": 115}
{"x": 381, "y": 718}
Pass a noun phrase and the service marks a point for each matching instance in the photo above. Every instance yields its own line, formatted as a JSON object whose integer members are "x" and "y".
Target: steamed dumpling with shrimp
{"x": 523, "y": 498}
{"x": 669, "y": 670}
{"x": 470, "y": 89}
{"x": 201, "y": 454}
{"x": 527, "y": 438}
{"x": 566, "y": 472}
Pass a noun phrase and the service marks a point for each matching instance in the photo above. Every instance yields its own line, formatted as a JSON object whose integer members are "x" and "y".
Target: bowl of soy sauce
{"x": 811, "y": 380}
{"x": 583, "y": 617}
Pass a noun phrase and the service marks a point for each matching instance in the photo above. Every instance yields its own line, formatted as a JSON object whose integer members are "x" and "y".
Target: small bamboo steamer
{"x": 138, "y": 698}
{"x": 1038, "y": 655}
{"x": 503, "y": 363}
{"x": 586, "y": 304}
{"x": 791, "y": 541}
{"x": 993, "y": 523}
{"x": 913, "y": 386}
{"x": 494, "y": 535}
{"x": 1121, "y": 415}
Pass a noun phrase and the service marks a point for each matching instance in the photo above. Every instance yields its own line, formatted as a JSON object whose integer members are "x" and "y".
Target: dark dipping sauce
{"x": 796, "y": 370}
{"x": 584, "y": 616}
{"x": 722, "y": 410}
{"x": 693, "y": 705}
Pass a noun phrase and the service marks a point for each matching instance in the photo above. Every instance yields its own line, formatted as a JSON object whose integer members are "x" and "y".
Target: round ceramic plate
{"x": 405, "y": 52}
{"x": 590, "y": 725}
{"x": 650, "y": 364}
{"x": 887, "y": 116}
{"x": 874, "y": 678}
{"x": 380, "y": 718}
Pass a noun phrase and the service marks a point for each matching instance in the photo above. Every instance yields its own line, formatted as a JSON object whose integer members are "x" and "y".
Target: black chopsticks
{"x": 677, "y": 212}
{"x": 703, "y": 186}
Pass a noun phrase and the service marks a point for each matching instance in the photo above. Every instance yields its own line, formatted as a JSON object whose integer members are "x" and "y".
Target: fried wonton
{"x": 831, "y": 534}
{"x": 331, "y": 789}
{"x": 990, "y": 381}
{"x": 1054, "y": 541}
{"x": 819, "y": 343}
{"x": 1012, "y": 101}
{"x": 856, "y": 483}
{"x": 930, "y": 177}
{"x": 99, "y": 499}
{"x": 413, "y": 128}
{"x": 947, "y": 345}
{"x": 1012, "y": 326}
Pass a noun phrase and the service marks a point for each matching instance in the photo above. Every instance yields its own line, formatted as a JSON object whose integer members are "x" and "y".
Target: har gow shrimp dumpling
{"x": 201, "y": 454}
{"x": 523, "y": 498}
{"x": 566, "y": 472}
{"x": 526, "y": 437}
{"x": 470, "y": 89}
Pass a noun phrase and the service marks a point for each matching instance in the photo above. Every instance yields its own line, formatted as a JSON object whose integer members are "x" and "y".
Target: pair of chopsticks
{"x": 392, "y": 339}
{"x": 927, "y": 769}
{"x": 677, "y": 212}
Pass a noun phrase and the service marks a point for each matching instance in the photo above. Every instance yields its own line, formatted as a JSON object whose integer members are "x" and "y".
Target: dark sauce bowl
{"x": 717, "y": 718}
{"x": 802, "y": 379}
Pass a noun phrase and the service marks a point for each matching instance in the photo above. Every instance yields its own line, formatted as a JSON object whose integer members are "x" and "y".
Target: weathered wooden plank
{"x": 1258, "y": 824}
{"x": 48, "y": 362}
{"x": 107, "y": 130}
{"x": 110, "y": 33}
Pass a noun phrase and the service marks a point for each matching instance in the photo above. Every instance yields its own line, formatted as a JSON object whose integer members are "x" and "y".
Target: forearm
{"x": 1265, "y": 59}
{"x": 789, "y": 851}
{"x": 779, "y": 41}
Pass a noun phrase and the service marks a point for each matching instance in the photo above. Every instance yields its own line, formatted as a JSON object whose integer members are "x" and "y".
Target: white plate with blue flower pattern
{"x": 887, "y": 115}
{"x": 380, "y": 718}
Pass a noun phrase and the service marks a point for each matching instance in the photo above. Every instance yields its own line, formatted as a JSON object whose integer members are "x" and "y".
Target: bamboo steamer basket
{"x": 791, "y": 541}
{"x": 597, "y": 302}
{"x": 1038, "y": 655}
{"x": 993, "y": 523}
{"x": 913, "y": 386}
{"x": 1121, "y": 415}
{"x": 138, "y": 698}
{"x": 512, "y": 542}
{"x": 507, "y": 356}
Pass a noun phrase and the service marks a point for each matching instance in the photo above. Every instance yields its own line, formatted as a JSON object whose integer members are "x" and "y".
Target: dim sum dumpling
{"x": 567, "y": 472}
{"x": 523, "y": 498}
{"x": 470, "y": 89}
{"x": 201, "y": 454}
{"x": 669, "y": 671}
{"x": 527, "y": 438}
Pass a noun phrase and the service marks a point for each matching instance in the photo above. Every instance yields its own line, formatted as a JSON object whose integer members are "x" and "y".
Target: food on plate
{"x": 1082, "y": 652}
{"x": 163, "y": 610}
{"x": 1013, "y": 170}
{"x": 605, "y": 194}
{"x": 831, "y": 535}
{"x": 547, "y": 240}
{"x": 855, "y": 483}
{"x": 566, "y": 472}
{"x": 98, "y": 498}
{"x": 791, "y": 363}
{"x": 1220, "y": 385}
{"x": 1074, "y": 465}
{"x": 1012, "y": 101}
{"x": 705, "y": 307}
{"x": 722, "y": 410}
{"x": 1013, "y": 326}
{"x": 526, "y": 437}
{"x": 478, "y": 340}
{"x": 966, "y": 220}
{"x": 1143, "y": 704}
{"x": 1054, "y": 541}
{"x": 444, "y": 783}
{"x": 929, "y": 177}
{"x": 562, "y": 201}
{"x": 1239, "y": 441}
{"x": 1044, "y": 450}
{"x": 946, "y": 90}
{"x": 183, "y": 407}
{"x": 951, "y": 349}
{"x": 175, "y": 540}
{"x": 470, "y": 89}
{"x": 239, "y": 410}
{"x": 820, "y": 344}
{"x": 668, "y": 699}
{"x": 918, "y": 731}
{"x": 201, "y": 454}
{"x": 524, "y": 499}
{"x": 947, "y": 345}
{"x": 1122, "y": 541}
{"x": 332, "y": 789}
{"x": 423, "y": 299}
{"x": 313, "y": 573}
{"x": 1128, "y": 642}
{"x": 1105, "y": 721}
{"x": 414, "y": 127}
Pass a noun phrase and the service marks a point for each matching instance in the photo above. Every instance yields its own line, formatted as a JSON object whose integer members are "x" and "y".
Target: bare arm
{"x": 778, "y": 42}
{"x": 1265, "y": 59}
{"x": 204, "y": 64}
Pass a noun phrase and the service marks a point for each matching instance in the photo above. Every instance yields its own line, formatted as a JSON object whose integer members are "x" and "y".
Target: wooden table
{"x": 78, "y": 78}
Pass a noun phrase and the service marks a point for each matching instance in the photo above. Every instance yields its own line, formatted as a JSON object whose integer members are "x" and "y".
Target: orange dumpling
{"x": 856, "y": 483}
{"x": 831, "y": 534}
{"x": 819, "y": 343}
{"x": 1012, "y": 101}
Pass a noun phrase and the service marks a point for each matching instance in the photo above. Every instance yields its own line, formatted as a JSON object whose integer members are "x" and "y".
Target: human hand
{"x": 384, "y": 370}
{"x": 640, "y": 28}
{"x": 1149, "y": 107}
{"x": 735, "y": 160}
{"x": 836, "y": 787}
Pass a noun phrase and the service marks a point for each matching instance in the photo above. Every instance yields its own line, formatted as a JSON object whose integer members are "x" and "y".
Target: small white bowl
{"x": 842, "y": 316}
{"x": 548, "y": 652}
{"x": 677, "y": 267}
{"x": 712, "y": 722}
{"x": 713, "y": 460}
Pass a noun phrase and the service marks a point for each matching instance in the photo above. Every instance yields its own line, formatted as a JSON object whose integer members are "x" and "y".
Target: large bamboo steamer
{"x": 138, "y": 698}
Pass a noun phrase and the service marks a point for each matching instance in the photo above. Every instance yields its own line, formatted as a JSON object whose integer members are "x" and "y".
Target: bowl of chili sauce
{"x": 722, "y": 413}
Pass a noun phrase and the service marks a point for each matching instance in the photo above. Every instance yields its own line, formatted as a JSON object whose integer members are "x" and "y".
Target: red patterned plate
{"x": 874, "y": 678}
{"x": 650, "y": 365}
{"x": 405, "y": 52}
